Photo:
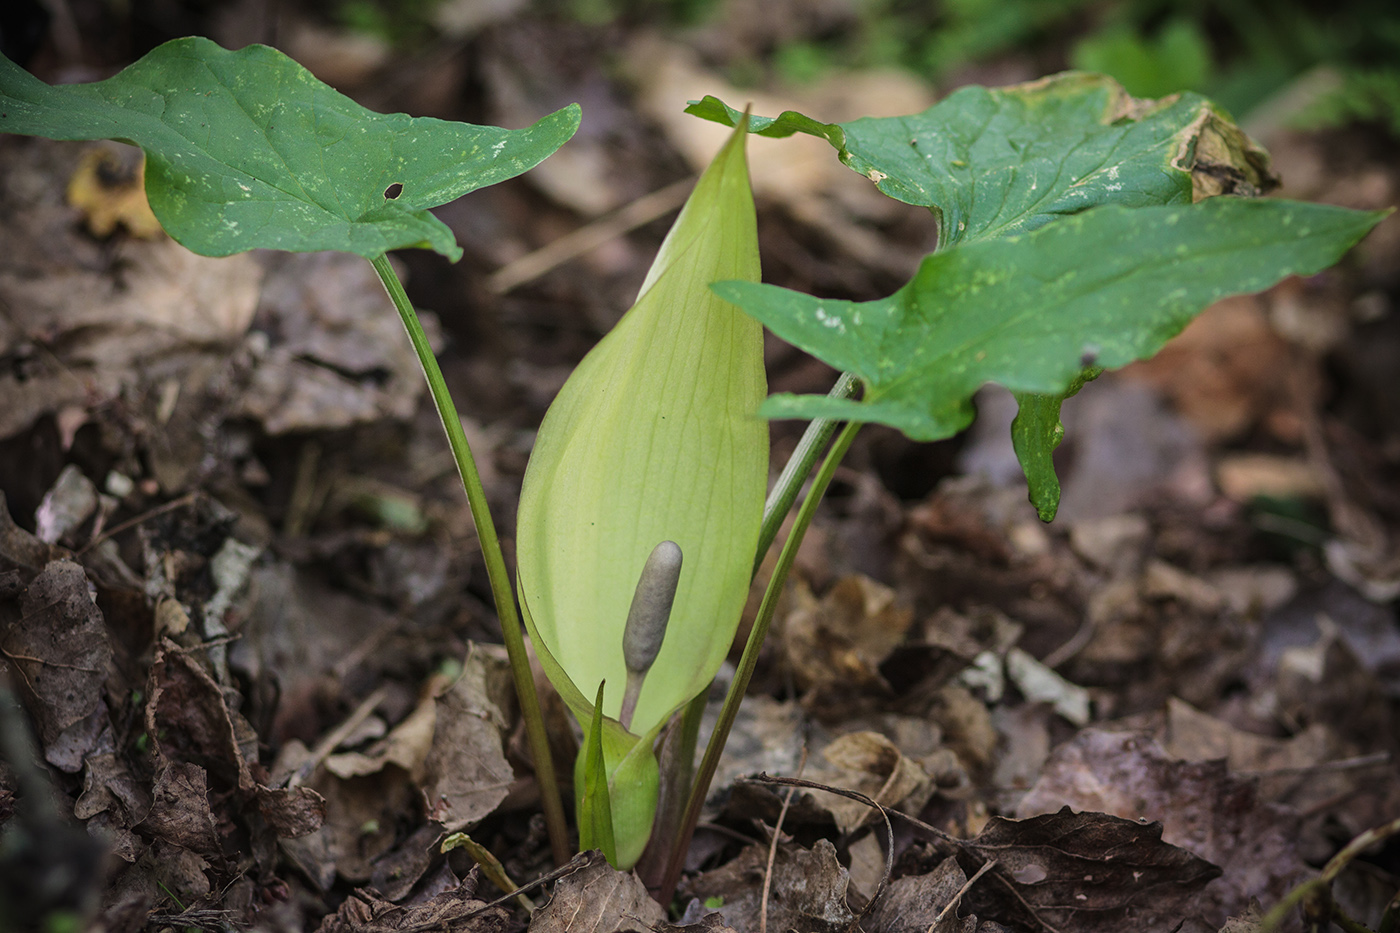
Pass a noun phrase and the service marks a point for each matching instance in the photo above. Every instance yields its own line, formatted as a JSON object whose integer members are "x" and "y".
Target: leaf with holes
{"x": 248, "y": 150}
{"x": 993, "y": 162}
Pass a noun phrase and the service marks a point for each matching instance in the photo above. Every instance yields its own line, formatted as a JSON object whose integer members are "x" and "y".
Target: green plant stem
{"x": 749, "y": 661}
{"x": 1390, "y": 920}
{"x": 1320, "y": 886}
{"x": 1348, "y": 923}
{"x": 501, "y": 590}
{"x": 679, "y": 763}
{"x": 691, "y": 718}
{"x": 677, "y": 760}
{"x": 798, "y": 468}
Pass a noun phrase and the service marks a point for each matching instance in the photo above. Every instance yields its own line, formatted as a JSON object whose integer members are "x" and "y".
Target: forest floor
{"x": 242, "y": 603}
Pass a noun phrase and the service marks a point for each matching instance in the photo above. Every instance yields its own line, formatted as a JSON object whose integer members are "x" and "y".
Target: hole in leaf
{"x": 393, "y": 191}
{"x": 1030, "y": 873}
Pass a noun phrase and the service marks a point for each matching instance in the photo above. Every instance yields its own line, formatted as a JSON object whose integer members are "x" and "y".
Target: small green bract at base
{"x": 654, "y": 438}
{"x": 595, "y": 818}
{"x": 248, "y": 150}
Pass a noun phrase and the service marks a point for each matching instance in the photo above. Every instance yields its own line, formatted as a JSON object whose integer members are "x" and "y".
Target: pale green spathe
{"x": 654, "y": 437}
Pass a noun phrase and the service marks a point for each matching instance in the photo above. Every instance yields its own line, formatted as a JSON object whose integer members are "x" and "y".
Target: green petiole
{"x": 496, "y": 572}
{"x": 799, "y": 466}
{"x": 749, "y": 661}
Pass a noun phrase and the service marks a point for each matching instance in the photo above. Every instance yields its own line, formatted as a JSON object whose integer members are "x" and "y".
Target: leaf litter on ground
{"x": 1037, "y": 580}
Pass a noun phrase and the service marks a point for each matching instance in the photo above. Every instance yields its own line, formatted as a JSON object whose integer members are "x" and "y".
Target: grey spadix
{"x": 646, "y": 620}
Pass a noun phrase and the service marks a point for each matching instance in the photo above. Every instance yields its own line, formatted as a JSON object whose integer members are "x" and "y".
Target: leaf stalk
{"x": 799, "y": 466}
{"x": 501, "y": 590}
{"x": 749, "y": 660}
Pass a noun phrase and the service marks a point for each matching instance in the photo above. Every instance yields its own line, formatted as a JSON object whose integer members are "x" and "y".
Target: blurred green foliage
{"x": 1177, "y": 57}
{"x": 662, "y": 12}
{"x": 1365, "y": 96}
{"x": 397, "y": 22}
{"x": 1238, "y": 52}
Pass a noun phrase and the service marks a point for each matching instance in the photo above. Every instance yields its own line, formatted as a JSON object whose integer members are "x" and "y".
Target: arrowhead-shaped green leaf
{"x": 994, "y": 162}
{"x": 248, "y": 150}
{"x": 1099, "y": 289}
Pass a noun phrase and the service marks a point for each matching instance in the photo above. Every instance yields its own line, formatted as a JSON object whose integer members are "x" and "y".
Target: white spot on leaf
{"x": 829, "y": 320}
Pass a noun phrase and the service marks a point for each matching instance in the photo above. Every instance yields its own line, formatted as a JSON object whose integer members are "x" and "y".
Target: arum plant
{"x": 1079, "y": 229}
{"x": 248, "y": 150}
{"x": 641, "y": 506}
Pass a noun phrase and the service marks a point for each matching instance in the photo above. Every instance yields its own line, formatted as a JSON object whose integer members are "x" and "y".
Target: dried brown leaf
{"x": 340, "y": 359}
{"x": 914, "y": 903}
{"x": 58, "y": 644}
{"x": 1192, "y": 735}
{"x": 361, "y": 816}
{"x": 180, "y": 811}
{"x": 871, "y": 764}
{"x": 1203, "y": 808}
{"x": 407, "y": 745}
{"x": 807, "y": 891}
{"x": 709, "y": 923}
{"x": 835, "y": 644}
{"x": 108, "y": 786}
{"x": 396, "y": 873}
{"x": 367, "y": 912}
{"x": 291, "y": 811}
{"x": 598, "y": 899}
{"x": 1086, "y": 872}
{"x": 189, "y": 721}
{"x": 466, "y": 775}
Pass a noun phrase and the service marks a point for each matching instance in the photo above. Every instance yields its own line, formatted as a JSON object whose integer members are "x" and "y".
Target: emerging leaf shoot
{"x": 595, "y": 819}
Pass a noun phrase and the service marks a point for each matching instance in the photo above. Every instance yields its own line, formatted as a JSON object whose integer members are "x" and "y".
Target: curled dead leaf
{"x": 1204, "y": 809}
